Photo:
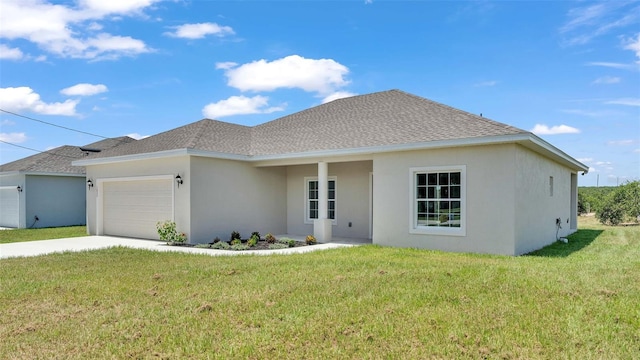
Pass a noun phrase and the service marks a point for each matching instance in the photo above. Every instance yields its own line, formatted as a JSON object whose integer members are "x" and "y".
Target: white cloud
{"x": 541, "y": 129}
{"x": 585, "y": 160}
{"x": 588, "y": 22}
{"x": 226, "y": 65}
{"x": 25, "y": 99}
{"x": 620, "y": 142}
{"x": 486, "y": 83}
{"x": 10, "y": 53}
{"x": 84, "y": 90}
{"x": 14, "y": 138}
{"x": 637, "y": 151}
{"x": 58, "y": 28}
{"x": 239, "y": 105}
{"x": 591, "y": 113}
{"x": 337, "y": 95}
{"x": 6, "y": 122}
{"x": 137, "y": 136}
{"x": 625, "y": 101}
{"x": 323, "y": 76}
{"x": 613, "y": 65}
{"x": 634, "y": 45}
{"x": 200, "y": 30}
{"x": 607, "y": 80}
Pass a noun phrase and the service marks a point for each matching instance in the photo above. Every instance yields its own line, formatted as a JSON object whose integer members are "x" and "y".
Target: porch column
{"x": 322, "y": 225}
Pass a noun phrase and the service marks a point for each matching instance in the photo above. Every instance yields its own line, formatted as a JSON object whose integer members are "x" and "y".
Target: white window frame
{"x": 414, "y": 228}
{"x": 307, "y": 219}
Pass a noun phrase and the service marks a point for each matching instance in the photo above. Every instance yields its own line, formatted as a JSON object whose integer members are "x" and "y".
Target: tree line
{"x": 611, "y": 205}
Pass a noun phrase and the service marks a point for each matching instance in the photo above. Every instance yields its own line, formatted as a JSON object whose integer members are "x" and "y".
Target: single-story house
{"x": 45, "y": 190}
{"x": 388, "y": 166}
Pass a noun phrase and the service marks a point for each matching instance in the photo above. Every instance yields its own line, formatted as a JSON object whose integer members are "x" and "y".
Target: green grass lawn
{"x": 20, "y": 235}
{"x": 578, "y": 301}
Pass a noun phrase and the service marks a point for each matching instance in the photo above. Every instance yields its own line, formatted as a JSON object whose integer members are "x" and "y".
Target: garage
{"x": 9, "y": 207}
{"x": 131, "y": 208}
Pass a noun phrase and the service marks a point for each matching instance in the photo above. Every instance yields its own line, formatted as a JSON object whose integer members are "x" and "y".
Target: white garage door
{"x": 132, "y": 208}
{"x": 9, "y": 207}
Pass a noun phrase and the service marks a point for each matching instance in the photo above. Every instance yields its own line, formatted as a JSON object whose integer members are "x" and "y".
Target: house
{"x": 388, "y": 166}
{"x": 45, "y": 190}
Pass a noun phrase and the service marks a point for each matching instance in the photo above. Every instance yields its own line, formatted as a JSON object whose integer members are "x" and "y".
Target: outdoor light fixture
{"x": 19, "y": 188}
{"x": 179, "y": 180}
{"x": 89, "y": 184}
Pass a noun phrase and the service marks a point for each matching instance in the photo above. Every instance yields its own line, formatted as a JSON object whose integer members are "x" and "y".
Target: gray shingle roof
{"x": 390, "y": 117}
{"x": 59, "y": 160}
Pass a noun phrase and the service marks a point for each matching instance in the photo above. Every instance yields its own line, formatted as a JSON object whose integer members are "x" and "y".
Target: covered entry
{"x": 132, "y": 207}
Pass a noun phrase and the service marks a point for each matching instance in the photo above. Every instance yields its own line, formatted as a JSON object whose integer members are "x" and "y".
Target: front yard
{"x": 576, "y": 300}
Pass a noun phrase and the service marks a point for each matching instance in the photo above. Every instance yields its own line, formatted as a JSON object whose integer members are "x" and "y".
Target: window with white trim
{"x": 438, "y": 200}
{"x": 311, "y": 199}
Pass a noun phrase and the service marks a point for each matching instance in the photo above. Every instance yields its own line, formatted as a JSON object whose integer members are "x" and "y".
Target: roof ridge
{"x": 200, "y": 125}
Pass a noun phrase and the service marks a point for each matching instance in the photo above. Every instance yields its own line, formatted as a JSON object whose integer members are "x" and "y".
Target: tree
{"x": 621, "y": 205}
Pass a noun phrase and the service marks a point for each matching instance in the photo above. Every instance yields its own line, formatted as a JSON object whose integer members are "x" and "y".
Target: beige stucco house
{"x": 389, "y": 166}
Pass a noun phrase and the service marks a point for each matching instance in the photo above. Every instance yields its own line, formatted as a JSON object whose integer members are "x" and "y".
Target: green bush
{"x": 221, "y": 245}
{"x": 270, "y": 238}
{"x": 236, "y": 242}
{"x": 167, "y": 232}
{"x": 255, "y": 233}
{"x": 253, "y": 241}
{"x": 203, "y": 246}
{"x": 287, "y": 241}
{"x": 277, "y": 246}
{"x": 235, "y": 235}
{"x": 623, "y": 204}
{"x": 240, "y": 247}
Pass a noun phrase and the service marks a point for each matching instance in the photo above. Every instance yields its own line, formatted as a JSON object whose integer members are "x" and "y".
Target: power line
{"x": 39, "y": 151}
{"x": 48, "y": 123}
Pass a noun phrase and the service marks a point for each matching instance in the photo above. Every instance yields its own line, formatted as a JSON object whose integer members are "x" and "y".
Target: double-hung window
{"x": 312, "y": 209}
{"x": 438, "y": 200}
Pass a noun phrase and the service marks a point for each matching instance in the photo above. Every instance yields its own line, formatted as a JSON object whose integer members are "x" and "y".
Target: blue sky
{"x": 568, "y": 71}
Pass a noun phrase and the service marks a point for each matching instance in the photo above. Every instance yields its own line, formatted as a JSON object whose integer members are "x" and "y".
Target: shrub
{"x": 310, "y": 240}
{"x": 167, "y": 232}
{"x": 234, "y": 235}
{"x": 203, "y": 246}
{"x": 221, "y": 245}
{"x": 287, "y": 241}
{"x": 216, "y": 240}
{"x": 255, "y": 233}
{"x": 270, "y": 238}
{"x": 278, "y": 246}
{"x": 621, "y": 205}
{"x": 236, "y": 242}
{"x": 253, "y": 241}
{"x": 240, "y": 247}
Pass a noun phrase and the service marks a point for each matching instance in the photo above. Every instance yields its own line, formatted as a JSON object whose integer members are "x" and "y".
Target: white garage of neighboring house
{"x": 45, "y": 190}
{"x": 390, "y": 166}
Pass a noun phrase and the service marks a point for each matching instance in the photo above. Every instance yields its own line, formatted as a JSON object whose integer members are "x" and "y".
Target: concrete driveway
{"x": 84, "y": 243}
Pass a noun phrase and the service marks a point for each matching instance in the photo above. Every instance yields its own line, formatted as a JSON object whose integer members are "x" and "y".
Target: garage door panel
{"x": 9, "y": 207}
{"x": 132, "y": 208}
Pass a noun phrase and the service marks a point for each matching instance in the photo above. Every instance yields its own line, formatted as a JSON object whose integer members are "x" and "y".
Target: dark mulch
{"x": 261, "y": 245}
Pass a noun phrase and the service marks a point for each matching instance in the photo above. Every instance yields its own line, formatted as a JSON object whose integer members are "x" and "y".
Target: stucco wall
{"x": 55, "y": 200}
{"x": 148, "y": 167}
{"x": 537, "y": 210}
{"x": 490, "y": 176}
{"x": 352, "y": 198}
{"x": 235, "y": 196}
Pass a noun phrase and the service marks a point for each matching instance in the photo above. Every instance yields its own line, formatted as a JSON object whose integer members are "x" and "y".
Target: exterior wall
{"x": 55, "y": 200}
{"x": 490, "y": 197}
{"x": 139, "y": 168}
{"x": 537, "y": 210}
{"x": 231, "y": 196}
{"x": 13, "y": 180}
{"x": 352, "y": 198}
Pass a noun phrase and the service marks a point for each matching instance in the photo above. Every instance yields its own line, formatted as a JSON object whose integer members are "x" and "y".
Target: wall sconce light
{"x": 179, "y": 180}
{"x": 19, "y": 188}
{"x": 89, "y": 184}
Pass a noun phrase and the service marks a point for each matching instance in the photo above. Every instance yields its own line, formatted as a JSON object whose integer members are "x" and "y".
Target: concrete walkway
{"x": 43, "y": 247}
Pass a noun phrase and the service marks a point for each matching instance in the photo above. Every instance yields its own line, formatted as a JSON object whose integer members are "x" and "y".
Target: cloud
{"x": 599, "y": 113}
{"x": 620, "y": 142}
{"x": 8, "y": 53}
{"x": 84, "y": 90}
{"x": 337, "y": 95}
{"x": 613, "y": 65}
{"x": 58, "y": 28}
{"x": 607, "y": 80}
{"x": 486, "y": 83}
{"x": 323, "y": 76}
{"x": 625, "y": 101}
{"x": 633, "y": 45}
{"x": 137, "y": 136}
{"x": 239, "y": 105}
{"x": 14, "y": 138}
{"x": 587, "y": 22}
{"x": 636, "y": 151}
{"x": 226, "y": 65}
{"x": 200, "y": 30}
{"x": 541, "y": 129}
{"x": 25, "y": 99}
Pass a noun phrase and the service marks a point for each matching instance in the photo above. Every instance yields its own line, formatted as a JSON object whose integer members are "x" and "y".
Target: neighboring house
{"x": 389, "y": 166}
{"x": 45, "y": 190}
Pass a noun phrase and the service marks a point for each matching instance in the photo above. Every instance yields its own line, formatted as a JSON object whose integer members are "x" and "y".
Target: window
{"x": 311, "y": 199}
{"x": 438, "y": 201}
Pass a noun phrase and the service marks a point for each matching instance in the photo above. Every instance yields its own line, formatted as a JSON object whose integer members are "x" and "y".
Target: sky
{"x": 568, "y": 71}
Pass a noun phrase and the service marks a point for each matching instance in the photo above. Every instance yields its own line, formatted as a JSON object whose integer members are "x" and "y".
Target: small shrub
{"x": 255, "y": 233}
{"x": 287, "y": 241}
{"x": 270, "y": 238}
{"x": 253, "y": 241}
{"x": 203, "y": 246}
{"x": 240, "y": 247}
{"x": 236, "y": 242}
{"x": 167, "y": 232}
{"x": 276, "y": 246}
{"x": 216, "y": 240}
{"x": 234, "y": 235}
{"x": 221, "y": 245}
{"x": 311, "y": 240}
